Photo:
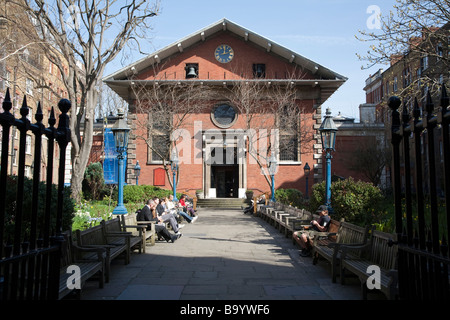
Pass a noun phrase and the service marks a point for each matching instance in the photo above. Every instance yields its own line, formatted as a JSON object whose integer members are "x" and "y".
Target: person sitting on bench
{"x": 148, "y": 213}
{"x": 304, "y": 237}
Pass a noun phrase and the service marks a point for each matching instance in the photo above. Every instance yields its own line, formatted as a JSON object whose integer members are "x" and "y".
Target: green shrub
{"x": 94, "y": 184}
{"x": 11, "y": 207}
{"x": 357, "y": 202}
{"x": 293, "y": 197}
{"x": 140, "y": 194}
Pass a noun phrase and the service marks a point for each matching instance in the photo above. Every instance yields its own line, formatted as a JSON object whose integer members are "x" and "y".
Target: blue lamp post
{"x": 120, "y": 131}
{"x": 174, "y": 167}
{"x": 273, "y": 163}
{"x": 137, "y": 171}
{"x": 328, "y": 132}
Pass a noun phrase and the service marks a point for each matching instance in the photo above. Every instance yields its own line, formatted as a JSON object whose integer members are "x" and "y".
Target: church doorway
{"x": 225, "y": 178}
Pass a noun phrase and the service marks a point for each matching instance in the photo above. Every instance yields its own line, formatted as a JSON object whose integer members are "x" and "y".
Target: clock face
{"x": 224, "y": 53}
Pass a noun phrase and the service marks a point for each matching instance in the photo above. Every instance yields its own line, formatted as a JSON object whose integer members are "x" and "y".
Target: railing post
{"x": 445, "y": 122}
{"x": 396, "y": 138}
{"x": 63, "y": 138}
{"x": 6, "y": 120}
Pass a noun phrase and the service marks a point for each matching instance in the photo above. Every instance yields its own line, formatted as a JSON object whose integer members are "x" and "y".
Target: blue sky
{"x": 321, "y": 30}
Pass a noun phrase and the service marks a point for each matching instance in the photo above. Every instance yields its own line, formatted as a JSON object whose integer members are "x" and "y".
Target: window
{"x": 159, "y": 128}
{"x": 25, "y": 55}
{"x": 394, "y": 86}
{"x": 223, "y": 115}
{"x": 28, "y": 172}
{"x": 8, "y": 79}
{"x": 424, "y": 63}
{"x": 14, "y": 157}
{"x": 28, "y": 144}
{"x": 418, "y": 75}
{"x": 259, "y": 70}
{"x": 29, "y": 86}
{"x": 288, "y": 142}
{"x": 288, "y": 147}
{"x": 160, "y": 147}
{"x": 406, "y": 77}
{"x": 439, "y": 51}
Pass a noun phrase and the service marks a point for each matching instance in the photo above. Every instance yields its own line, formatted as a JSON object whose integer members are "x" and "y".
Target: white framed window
{"x": 28, "y": 171}
{"x": 29, "y": 85}
{"x": 14, "y": 157}
{"x": 8, "y": 79}
{"x": 424, "y": 62}
{"x": 28, "y": 144}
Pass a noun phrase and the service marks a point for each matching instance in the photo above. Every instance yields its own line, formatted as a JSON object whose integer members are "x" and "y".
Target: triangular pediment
{"x": 169, "y": 62}
{"x": 213, "y": 30}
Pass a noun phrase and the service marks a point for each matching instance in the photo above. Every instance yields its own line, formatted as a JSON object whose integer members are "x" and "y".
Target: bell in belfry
{"x": 191, "y": 72}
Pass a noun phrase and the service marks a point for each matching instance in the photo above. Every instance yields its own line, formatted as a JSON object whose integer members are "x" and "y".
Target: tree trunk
{"x": 80, "y": 154}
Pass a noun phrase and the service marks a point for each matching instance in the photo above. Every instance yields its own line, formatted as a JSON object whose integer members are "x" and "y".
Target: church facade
{"x": 234, "y": 108}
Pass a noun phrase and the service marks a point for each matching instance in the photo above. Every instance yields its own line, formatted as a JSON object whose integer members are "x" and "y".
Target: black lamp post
{"x": 328, "y": 132}
{"x": 137, "y": 171}
{"x": 120, "y": 131}
{"x": 307, "y": 171}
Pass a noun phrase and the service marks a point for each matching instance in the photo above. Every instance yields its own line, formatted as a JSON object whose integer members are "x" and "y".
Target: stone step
{"x": 222, "y": 203}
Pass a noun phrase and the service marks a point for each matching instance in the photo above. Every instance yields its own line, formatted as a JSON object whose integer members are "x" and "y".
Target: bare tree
{"x": 415, "y": 30}
{"x": 163, "y": 107}
{"x": 371, "y": 159}
{"x": 275, "y": 109}
{"x": 81, "y": 38}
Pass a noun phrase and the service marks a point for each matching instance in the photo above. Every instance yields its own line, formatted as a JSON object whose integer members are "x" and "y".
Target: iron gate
{"x": 421, "y": 173}
{"x": 30, "y": 257}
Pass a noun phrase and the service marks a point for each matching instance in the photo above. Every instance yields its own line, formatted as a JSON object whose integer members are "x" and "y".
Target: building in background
{"x": 227, "y": 59}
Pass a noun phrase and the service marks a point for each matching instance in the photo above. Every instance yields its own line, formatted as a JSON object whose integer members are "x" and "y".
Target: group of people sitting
{"x": 164, "y": 211}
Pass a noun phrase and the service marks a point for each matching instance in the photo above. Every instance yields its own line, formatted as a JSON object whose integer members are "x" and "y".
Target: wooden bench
{"x": 280, "y": 216}
{"x": 95, "y": 237}
{"x": 302, "y": 223}
{"x": 115, "y": 227}
{"x": 271, "y": 212}
{"x": 139, "y": 228}
{"x": 72, "y": 255}
{"x": 378, "y": 252}
{"x": 295, "y": 218}
{"x": 327, "y": 246}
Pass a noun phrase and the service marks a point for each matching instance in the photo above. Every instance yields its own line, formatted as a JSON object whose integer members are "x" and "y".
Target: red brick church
{"x": 231, "y": 119}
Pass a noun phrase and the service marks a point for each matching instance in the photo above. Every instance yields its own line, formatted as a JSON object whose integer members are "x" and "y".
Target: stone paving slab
{"x": 224, "y": 255}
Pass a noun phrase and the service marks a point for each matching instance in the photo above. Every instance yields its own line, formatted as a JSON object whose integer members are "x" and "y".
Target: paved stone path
{"x": 224, "y": 255}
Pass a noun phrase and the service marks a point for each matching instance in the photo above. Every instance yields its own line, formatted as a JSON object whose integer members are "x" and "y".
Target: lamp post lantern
{"x": 273, "y": 164}
{"x": 328, "y": 132}
{"x": 137, "y": 171}
{"x": 307, "y": 171}
{"x": 120, "y": 131}
{"x": 174, "y": 167}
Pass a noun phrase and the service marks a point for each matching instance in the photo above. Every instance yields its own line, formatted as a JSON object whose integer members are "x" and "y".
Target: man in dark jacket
{"x": 148, "y": 213}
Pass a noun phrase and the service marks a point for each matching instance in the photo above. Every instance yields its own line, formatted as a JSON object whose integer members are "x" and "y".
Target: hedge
{"x": 11, "y": 205}
{"x": 355, "y": 201}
